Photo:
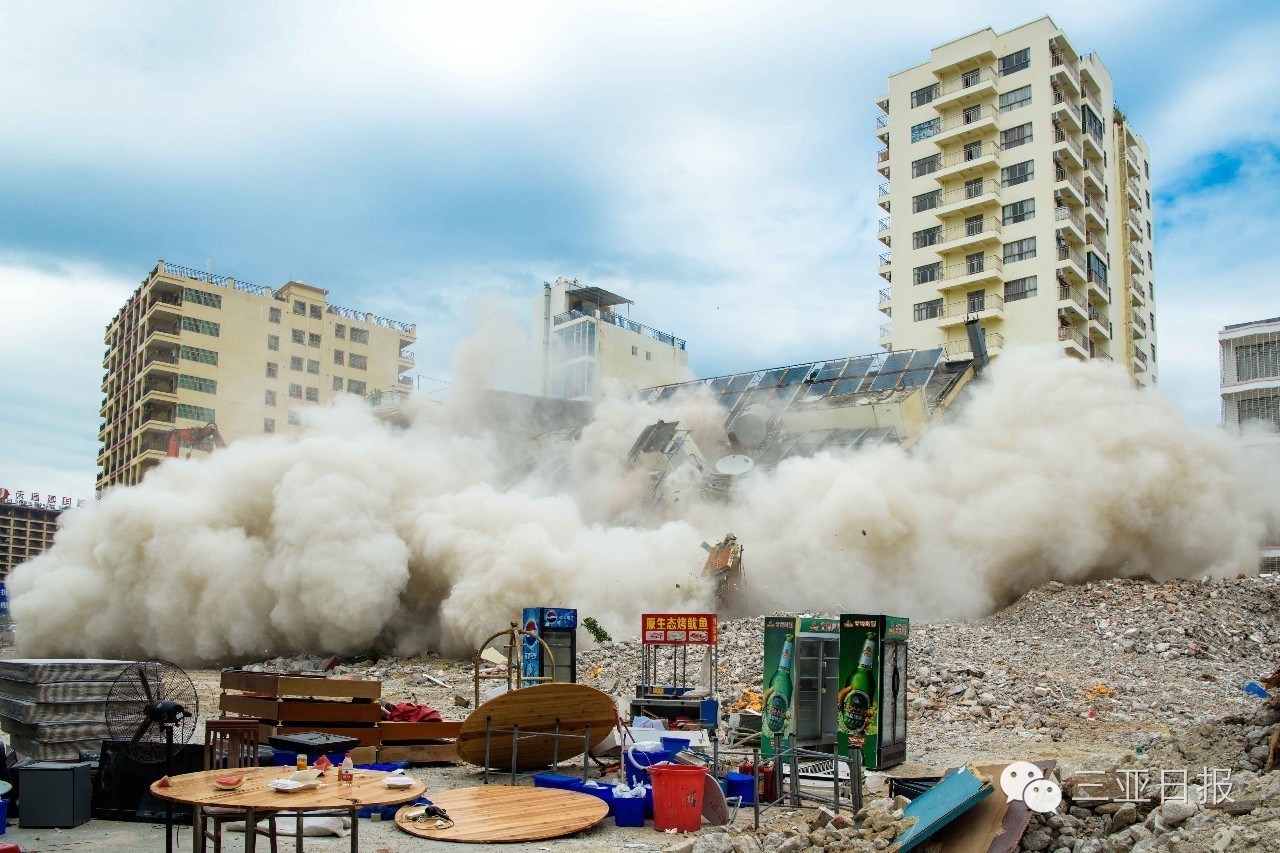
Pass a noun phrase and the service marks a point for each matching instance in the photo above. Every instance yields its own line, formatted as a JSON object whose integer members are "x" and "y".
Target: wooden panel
{"x": 500, "y": 814}
{"x": 419, "y": 753}
{"x": 274, "y": 684}
{"x": 420, "y": 731}
{"x": 540, "y": 708}
{"x": 289, "y": 710}
{"x": 368, "y": 789}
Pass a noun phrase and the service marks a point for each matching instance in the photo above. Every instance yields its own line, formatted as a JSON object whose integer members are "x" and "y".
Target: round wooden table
{"x": 367, "y": 790}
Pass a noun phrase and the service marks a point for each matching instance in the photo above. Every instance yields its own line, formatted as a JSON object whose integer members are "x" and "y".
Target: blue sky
{"x": 713, "y": 160}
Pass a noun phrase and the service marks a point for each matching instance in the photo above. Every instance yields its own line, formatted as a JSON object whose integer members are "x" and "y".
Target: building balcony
{"x": 1099, "y": 323}
{"x": 1134, "y": 193}
{"x": 1139, "y": 325}
{"x": 970, "y": 234}
{"x": 1066, "y": 111}
{"x": 621, "y": 322}
{"x": 882, "y": 163}
{"x": 1094, "y": 182}
{"x": 883, "y": 102}
{"x": 1073, "y": 341}
{"x": 1135, "y": 258}
{"x": 1131, "y": 160}
{"x": 990, "y": 306}
{"x": 1139, "y": 360}
{"x": 886, "y": 331}
{"x": 971, "y": 273}
{"x": 882, "y": 127}
{"x": 886, "y": 301}
{"x": 1066, "y": 148}
{"x": 1093, "y": 146}
{"x": 162, "y": 333}
{"x": 967, "y": 162}
{"x": 407, "y": 358}
{"x": 882, "y": 197}
{"x": 1062, "y": 70}
{"x": 1135, "y": 226}
{"x": 882, "y": 231}
{"x": 1137, "y": 293}
{"x": 1094, "y": 217}
{"x": 1071, "y": 265}
{"x": 969, "y": 124}
{"x": 158, "y": 392}
{"x": 1070, "y": 225}
{"x": 165, "y": 310}
{"x": 961, "y": 349}
{"x": 1099, "y": 350}
{"x": 149, "y": 456}
{"x": 969, "y": 87}
{"x": 969, "y": 199}
{"x": 1067, "y": 187}
{"x": 1098, "y": 289}
{"x": 1072, "y": 301}
{"x": 1090, "y": 97}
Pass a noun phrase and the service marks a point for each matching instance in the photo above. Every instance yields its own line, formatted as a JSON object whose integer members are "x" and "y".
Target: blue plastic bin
{"x": 555, "y": 780}
{"x": 673, "y": 744}
{"x": 740, "y": 785}
{"x": 628, "y": 811}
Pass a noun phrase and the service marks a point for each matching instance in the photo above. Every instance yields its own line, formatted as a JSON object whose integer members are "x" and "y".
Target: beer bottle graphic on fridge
{"x": 777, "y": 699}
{"x": 858, "y": 695}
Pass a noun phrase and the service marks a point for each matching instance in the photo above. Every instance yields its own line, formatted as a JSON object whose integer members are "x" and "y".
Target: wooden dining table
{"x": 367, "y": 790}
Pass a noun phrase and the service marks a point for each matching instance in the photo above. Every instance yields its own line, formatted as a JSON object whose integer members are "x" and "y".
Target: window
{"x": 270, "y": 398}
{"x": 313, "y": 366}
{"x": 196, "y": 413}
{"x": 204, "y": 356}
{"x": 295, "y": 391}
{"x": 926, "y": 165}
{"x": 355, "y": 386}
{"x": 273, "y": 342}
{"x": 337, "y": 383}
{"x": 313, "y": 395}
{"x": 972, "y": 151}
{"x": 1148, "y": 194}
{"x": 359, "y": 336}
{"x": 361, "y": 362}
{"x": 974, "y": 263}
{"x": 1015, "y": 136}
{"x": 1146, "y": 169}
{"x": 1020, "y": 288}
{"x": 1015, "y": 61}
{"x": 928, "y": 310}
{"x": 976, "y": 302}
{"x": 299, "y": 336}
{"x": 926, "y": 201}
{"x": 1257, "y": 361}
{"x": 295, "y": 419}
{"x": 1017, "y": 98}
{"x": 927, "y": 273}
{"x": 295, "y": 362}
{"x": 338, "y": 356}
{"x": 317, "y": 313}
{"x": 973, "y": 187}
{"x": 1018, "y": 173}
{"x": 1260, "y": 409}
{"x": 273, "y": 315}
{"x": 635, "y": 350}
{"x": 973, "y": 225}
{"x": 927, "y": 237}
{"x": 648, "y": 356}
{"x": 920, "y": 97}
{"x": 339, "y": 331}
{"x": 925, "y": 129}
{"x": 197, "y": 383}
{"x": 1020, "y": 250}
{"x": 1151, "y": 262}
{"x": 313, "y": 340}
{"x": 268, "y": 424}
{"x": 1097, "y": 268}
{"x": 1020, "y": 211}
{"x": 200, "y": 297}
{"x": 1149, "y": 229}
{"x": 272, "y": 369}
{"x": 299, "y": 308}
{"x": 1092, "y": 123}
{"x": 203, "y": 327}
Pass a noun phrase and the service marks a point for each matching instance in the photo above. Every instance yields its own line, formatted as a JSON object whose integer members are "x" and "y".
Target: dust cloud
{"x": 354, "y": 534}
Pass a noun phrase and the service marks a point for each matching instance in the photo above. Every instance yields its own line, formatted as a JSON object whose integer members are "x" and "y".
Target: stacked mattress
{"x": 51, "y": 709}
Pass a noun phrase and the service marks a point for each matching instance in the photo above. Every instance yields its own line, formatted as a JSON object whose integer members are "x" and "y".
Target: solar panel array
{"x": 779, "y": 387}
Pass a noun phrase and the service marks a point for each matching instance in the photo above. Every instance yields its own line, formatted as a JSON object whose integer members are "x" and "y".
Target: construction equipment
{"x": 204, "y": 438}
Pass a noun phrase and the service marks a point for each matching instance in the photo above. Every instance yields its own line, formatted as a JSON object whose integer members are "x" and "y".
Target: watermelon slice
{"x": 228, "y": 783}
{"x": 164, "y": 782}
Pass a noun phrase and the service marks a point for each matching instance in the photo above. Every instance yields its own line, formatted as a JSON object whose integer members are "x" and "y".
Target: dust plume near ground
{"x": 354, "y": 534}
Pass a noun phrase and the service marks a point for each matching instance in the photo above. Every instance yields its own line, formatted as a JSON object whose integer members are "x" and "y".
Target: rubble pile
{"x": 873, "y": 828}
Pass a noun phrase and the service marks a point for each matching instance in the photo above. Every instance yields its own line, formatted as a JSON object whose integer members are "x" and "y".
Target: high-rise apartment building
{"x": 190, "y": 348}
{"x": 586, "y": 349}
{"x": 26, "y": 529}
{"x": 1016, "y": 193}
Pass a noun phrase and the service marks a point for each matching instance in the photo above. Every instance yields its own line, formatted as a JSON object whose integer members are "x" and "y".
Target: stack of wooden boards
{"x": 52, "y": 709}
{"x": 293, "y": 703}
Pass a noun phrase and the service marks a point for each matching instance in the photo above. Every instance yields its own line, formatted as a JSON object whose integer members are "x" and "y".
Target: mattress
{"x": 56, "y": 691}
{"x": 50, "y": 712}
{"x": 69, "y": 751}
{"x": 44, "y": 670}
{"x": 64, "y": 731}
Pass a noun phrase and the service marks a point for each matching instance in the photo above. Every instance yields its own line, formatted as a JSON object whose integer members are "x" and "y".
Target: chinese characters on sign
{"x": 37, "y": 499}
{"x": 677, "y": 629}
{"x": 1145, "y": 786}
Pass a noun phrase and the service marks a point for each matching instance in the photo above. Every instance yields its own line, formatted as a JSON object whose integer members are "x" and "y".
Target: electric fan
{"x": 151, "y": 706}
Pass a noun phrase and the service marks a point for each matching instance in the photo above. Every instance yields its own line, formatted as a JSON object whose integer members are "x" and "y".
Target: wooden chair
{"x": 229, "y": 743}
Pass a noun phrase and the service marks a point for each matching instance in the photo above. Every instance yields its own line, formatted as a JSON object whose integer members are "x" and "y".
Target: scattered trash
{"x": 1253, "y": 688}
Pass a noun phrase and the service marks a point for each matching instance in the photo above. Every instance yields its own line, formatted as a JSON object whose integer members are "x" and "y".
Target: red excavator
{"x": 204, "y": 438}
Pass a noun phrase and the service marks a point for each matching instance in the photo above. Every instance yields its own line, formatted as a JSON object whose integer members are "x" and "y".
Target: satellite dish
{"x": 734, "y": 464}
{"x": 752, "y": 426}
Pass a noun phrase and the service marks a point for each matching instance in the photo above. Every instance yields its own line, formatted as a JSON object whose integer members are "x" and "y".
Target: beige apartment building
{"x": 585, "y": 348}
{"x": 190, "y": 349}
{"x": 1016, "y": 193}
{"x": 26, "y": 530}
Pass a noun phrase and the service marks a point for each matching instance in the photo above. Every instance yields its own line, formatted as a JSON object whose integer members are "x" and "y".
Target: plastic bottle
{"x": 302, "y": 761}
{"x": 348, "y": 770}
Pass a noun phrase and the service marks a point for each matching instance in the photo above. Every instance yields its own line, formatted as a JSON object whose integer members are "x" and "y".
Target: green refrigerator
{"x": 873, "y": 688}
{"x": 801, "y": 678}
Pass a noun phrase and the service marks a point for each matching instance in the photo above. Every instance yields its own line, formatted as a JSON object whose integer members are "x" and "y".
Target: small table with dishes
{"x": 367, "y": 790}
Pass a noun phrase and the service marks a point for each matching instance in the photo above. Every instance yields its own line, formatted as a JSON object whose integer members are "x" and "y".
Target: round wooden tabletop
{"x": 498, "y": 813}
{"x": 543, "y": 708}
{"x": 367, "y": 789}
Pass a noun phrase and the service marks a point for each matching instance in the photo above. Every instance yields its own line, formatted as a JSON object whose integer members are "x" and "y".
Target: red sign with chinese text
{"x": 678, "y": 629}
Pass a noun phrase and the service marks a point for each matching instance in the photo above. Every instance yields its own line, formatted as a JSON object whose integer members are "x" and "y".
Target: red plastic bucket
{"x": 677, "y": 797}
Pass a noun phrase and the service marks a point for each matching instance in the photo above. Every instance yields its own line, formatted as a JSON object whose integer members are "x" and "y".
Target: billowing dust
{"x": 355, "y": 534}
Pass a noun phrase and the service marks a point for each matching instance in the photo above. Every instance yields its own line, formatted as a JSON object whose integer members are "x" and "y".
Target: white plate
{"x": 398, "y": 782}
{"x": 288, "y": 786}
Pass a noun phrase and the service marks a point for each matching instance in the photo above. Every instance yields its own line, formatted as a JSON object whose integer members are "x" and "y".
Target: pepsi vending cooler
{"x": 558, "y": 628}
